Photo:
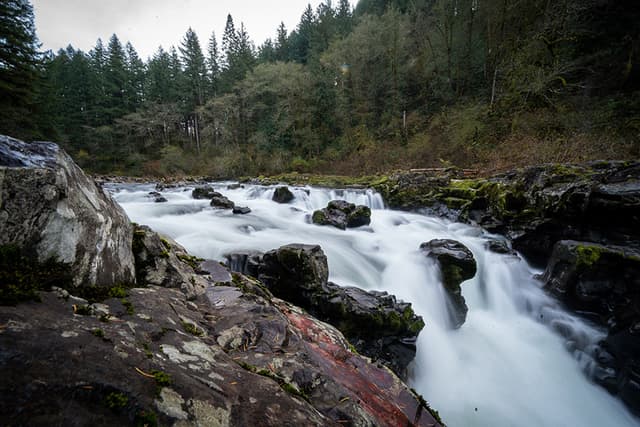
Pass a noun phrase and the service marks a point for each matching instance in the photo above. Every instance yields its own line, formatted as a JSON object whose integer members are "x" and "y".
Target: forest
{"x": 391, "y": 84}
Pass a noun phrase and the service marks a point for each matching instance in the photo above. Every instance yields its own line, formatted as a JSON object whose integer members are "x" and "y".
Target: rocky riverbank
{"x": 160, "y": 337}
{"x": 580, "y": 222}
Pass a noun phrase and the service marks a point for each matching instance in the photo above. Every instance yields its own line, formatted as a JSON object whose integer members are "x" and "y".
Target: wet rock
{"x": 342, "y": 215}
{"x": 234, "y": 186}
{"x": 205, "y": 192}
{"x": 604, "y": 281}
{"x": 160, "y": 199}
{"x": 282, "y": 195}
{"x": 499, "y": 247}
{"x": 161, "y": 261}
{"x": 241, "y": 210}
{"x": 378, "y": 325}
{"x": 221, "y": 202}
{"x": 457, "y": 264}
{"x": 51, "y": 210}
{"x": 247, "y": 263}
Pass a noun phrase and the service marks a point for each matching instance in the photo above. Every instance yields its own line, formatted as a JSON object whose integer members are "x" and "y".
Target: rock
{"x": 536, "y": 206}
{"x": 342, "y": 214}
{"x": 604, "y": 280}
{"x": 282, "y": 195}
{"x": 374, "y": 322}
{"x": 160, "y": 261}
{"x": 247, "y": 263}
{"x": 230, "y": 357}
{"x": 241, "y": 210}
{"x": 205, "y": 192}
{"x": 221, "y": 202}
{"x": 457, "y": 264}
{"x": 160, "y": 199}
{"x": 234, "y": 186}
{"x": 499, "y": 247}
{"x": 51, "y": 211}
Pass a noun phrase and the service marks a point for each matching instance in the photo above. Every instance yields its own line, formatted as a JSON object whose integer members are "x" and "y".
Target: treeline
{"x": 393, "y": 83}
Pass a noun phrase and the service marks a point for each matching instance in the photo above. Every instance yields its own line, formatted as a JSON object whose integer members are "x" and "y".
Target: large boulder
{"x": 152, "y": 357}
{"x": 457, "y": 264}
{"x": 342, "y": 215}
{"x": 282, "y": 195}
{"x": 604, "y": 281}
{"x": 50, "y": 210}
{"x": 375, "y": 323}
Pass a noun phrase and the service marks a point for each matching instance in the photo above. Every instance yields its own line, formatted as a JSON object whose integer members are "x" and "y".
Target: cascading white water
{"x": 508, "y": 365}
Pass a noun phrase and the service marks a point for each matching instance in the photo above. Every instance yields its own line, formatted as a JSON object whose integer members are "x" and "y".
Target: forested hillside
{"x": 391, "y": 84}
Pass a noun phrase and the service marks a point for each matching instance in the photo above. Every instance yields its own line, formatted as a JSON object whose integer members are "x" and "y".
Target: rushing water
{"x": 519, "y": 359}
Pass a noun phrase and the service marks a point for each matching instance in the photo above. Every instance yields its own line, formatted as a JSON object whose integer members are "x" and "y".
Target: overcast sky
{"x": 148, "y": 24}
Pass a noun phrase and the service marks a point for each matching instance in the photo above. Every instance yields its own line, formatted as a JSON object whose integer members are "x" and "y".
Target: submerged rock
{"x": 241, "y": 210}
{"x": 342, "y": 215}
{"x": 457, "y": 264}
{"x": 282, "y": 195}
{"x": 51, "y": 210}
{"x": 378, "y": 325}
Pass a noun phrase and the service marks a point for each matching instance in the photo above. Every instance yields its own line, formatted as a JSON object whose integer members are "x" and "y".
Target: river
{"x": 518, "y": 360}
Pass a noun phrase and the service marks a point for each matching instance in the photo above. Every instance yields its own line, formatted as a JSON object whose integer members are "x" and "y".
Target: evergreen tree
{"x": 115, "y": 80}
{"x": 213, "y": 64}
{"x": 98, "y": 62}
{"x": 301, "y": 38}
{"x": 229, "y": 41}
{"x": 19, "y": 68}
{"x": 282, "y": 44}
{"x": 195, "y": 72}
{"x": 267, "y": 52}
{"x": 135, "y": 78}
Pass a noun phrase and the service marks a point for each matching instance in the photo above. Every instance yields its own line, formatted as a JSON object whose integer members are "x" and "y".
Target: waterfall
{"x": 519, "y": 359}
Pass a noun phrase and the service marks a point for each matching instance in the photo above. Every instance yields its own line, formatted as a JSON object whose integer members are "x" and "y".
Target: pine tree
{"x": 301, "y": 38}
{"x": 213, "y": 64}
{"x": 116, "y": 80}
{"x": 19, "y": 68}
{"x": 195, "y": 72}
{"x": 229, "y": 42}
{"x": 135, "y": 78}
{"x": 282, "y": 44}
{"x": 98, "y": 84}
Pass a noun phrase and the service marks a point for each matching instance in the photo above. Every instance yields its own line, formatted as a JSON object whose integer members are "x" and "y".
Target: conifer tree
{"x": 19, "y": 68}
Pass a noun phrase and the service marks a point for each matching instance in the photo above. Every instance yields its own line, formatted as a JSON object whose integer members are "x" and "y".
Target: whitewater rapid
{"x": 518, "y": 360}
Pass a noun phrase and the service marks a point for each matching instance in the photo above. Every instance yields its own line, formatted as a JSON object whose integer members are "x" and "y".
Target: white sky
{"x": 148, "y": 24}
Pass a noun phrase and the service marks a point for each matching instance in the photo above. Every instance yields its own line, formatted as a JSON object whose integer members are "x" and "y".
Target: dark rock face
{"x": 378, "y": 325}
{"x": 52, "y": 210}
{"x": 457, "y": 264}
{"x": 241, "y": 210}
{"x": 221, "y": 202}
{"x": 342, "y": 215}
{"x": 282, "y": 195}
{"x": 604, "y": 281}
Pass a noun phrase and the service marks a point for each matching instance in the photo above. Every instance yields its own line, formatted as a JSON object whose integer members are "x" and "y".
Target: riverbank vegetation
{"x": 487, "y": 84}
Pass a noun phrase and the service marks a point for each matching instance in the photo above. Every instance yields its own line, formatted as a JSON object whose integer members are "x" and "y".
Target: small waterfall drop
{"x": 519, "y": 359}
